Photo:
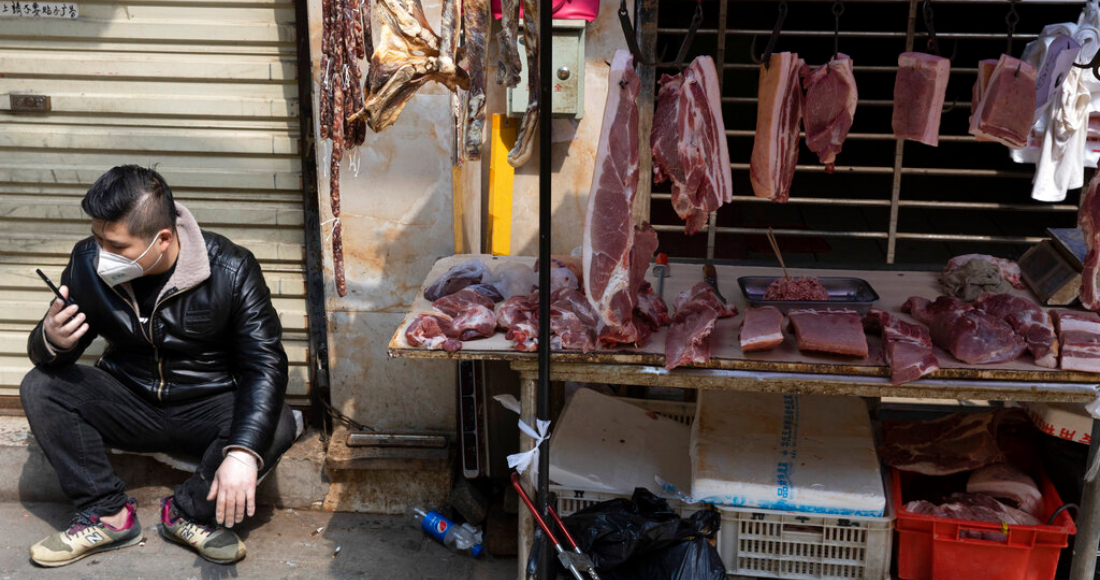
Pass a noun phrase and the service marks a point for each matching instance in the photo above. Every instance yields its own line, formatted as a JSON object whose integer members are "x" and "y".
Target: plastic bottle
{"x": 464, "y": 538}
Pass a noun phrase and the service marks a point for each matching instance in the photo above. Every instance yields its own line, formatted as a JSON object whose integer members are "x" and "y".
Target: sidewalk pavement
{"x": 282, "y": 544}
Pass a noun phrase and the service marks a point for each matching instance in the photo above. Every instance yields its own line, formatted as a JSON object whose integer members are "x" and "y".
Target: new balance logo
{"x": 187, "y": 534}
{"x": 94, "y": 537}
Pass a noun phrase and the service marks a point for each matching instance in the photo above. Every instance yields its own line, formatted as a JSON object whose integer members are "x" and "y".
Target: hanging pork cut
{"x": 762, "y": 329}
{"x": 829, "y": 331}
{"x": 830, "y": 107}
{"x": 919, "y": 92}
{"x": 525, "y": 138}
{"x": 477, "y": 22}
{"x": 778, "y": 120}
{"x": 971, "y": 335}
{"x": 611, "y": 281}
{"x": 1088, "y": 219}
{"x": 1007, "y": 105}
{"x": 906, "y": 346}
{"x": 985, "y": 71}
{"x": 689, "y": 143}
{"x": 1031, "y": 323}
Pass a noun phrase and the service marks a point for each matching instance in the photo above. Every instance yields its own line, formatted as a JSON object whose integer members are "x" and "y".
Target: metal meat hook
{"x": 1093, "y": 64}
{"x": 696, "y": 20}
{"x": 766, "y": 58}
{"x": 631, "y": 36}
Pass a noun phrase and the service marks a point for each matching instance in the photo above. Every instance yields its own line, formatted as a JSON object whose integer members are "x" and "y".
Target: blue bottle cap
{"x": 477, "y": 550}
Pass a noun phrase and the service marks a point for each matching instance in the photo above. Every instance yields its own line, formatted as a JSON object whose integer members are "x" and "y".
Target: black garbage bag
{"x": 641, "y": 539}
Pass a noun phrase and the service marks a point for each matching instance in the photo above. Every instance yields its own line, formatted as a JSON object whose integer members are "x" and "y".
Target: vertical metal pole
{"x": 546, "y": 73}
{"x": 1088, "y": 519}
{"x": 899, "y": 149}
{"x": 720, "y": 64}
{"x": 645, "y": 20}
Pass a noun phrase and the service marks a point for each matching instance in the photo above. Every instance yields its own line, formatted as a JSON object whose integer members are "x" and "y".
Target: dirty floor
{"x": 281, "y": 544}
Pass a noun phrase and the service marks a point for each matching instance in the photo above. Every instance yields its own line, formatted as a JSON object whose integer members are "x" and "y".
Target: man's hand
{"x": 234, "y": 486}
{"x": 62, "y": 332}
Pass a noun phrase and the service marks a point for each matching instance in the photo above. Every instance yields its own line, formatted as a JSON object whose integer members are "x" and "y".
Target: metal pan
{"x": 852, "y": 293}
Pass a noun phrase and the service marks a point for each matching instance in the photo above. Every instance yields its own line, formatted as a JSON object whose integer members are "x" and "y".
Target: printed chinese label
{"x": 20, "y": 9}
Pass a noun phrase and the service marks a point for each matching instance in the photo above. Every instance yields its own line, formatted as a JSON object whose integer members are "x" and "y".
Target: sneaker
{"x": 86, "y": 535}
{"x": 215, "y": 543}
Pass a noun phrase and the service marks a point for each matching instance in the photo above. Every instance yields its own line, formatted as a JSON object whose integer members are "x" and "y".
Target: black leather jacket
{"x": 219, "y": 334}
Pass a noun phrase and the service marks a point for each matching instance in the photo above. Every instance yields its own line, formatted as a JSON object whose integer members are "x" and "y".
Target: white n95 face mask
{"x": 115, "y": 269}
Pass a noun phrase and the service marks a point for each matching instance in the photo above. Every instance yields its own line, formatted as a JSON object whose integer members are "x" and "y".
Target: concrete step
{"x": 298, "y": 482}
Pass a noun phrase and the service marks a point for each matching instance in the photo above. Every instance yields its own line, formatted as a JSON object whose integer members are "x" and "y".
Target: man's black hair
{"x": 136, "y": 195}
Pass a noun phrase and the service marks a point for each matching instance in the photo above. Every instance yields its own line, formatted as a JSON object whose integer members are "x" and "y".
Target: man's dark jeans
{"x": 77, "y": 410}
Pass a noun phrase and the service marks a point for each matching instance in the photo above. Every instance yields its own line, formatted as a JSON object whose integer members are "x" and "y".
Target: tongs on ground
{"x": 574, "y": 561}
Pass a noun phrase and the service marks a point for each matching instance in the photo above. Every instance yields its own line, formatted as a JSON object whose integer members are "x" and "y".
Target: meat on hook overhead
{"x": 525, "y": 139}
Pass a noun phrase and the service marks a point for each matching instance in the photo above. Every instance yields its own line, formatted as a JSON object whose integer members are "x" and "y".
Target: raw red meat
{"x": 474, "y": 322}
{"x": 1067, "y": 320}
{"x": 762, "y": 329}
{"x": 454, "y": 304}
{"x": 651, "y": 309}
{"x": 972, "y": 336}
{"x": 518, "y": 316}
{"x": 688, "y": 339}
{"x": 829, "y": 331}
{"x": 906, "y": 346}
{"x": 572, "y": 321}
{"x": 1081, "y": 351}
{"x": 830, "y": 107}
{"x": 1088, "y": 218}
{"x": 919, "y": 92}
{"x": 1030, "y": 322}
{"x": 705, "y": 292}
{"x": 985, "y": 71}
{"x": 608, "y": 247}
{"x": 433, "y": 331}
{"x": 1007, "y": 105}
{"x": 952, "y": 444}
{"x": 689, "y": 143}
{"x": 778, "y": 117}
{"x": 787, "y": 288}
{"x": 1005, "y": 482}
{"x": 1009, "y": 270}
{"x": 978, "y": 508}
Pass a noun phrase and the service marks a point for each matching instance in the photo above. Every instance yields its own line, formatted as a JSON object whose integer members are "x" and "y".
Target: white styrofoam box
{"x": 771, "y": 544}
{"x": 604, "y": 444}
{"x": 797, "y": 453}
{"x": 1069, "y": 421}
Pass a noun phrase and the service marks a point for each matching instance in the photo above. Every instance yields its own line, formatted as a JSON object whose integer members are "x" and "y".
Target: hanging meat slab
{"x": 408, "y": 56}
{"x": 985, "y": 71}
{"x": 971, "y": 335}
{"x": 906, "y": 346}
{"x": 919, "y": 93}
{"x": 689, "y": 143}
{"x": 608, "y": 242}
{"x": 830, "y": 107}
{"x": 1031, "y": 323}
{"x": 1007, "y": 105}
{"x": 1088, "y": 219}
{"x": 477, "y": 18}
{"x": 528, "y": 127}
{"x": 508, "y": 63}
{"x": 778, "y": 120}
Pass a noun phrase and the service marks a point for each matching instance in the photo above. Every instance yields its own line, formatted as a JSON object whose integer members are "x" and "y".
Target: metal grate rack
{"x": 888, "y": 202}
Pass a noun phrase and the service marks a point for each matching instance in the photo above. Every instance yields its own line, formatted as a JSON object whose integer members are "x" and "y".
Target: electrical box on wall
{"x": 568, "y": 79}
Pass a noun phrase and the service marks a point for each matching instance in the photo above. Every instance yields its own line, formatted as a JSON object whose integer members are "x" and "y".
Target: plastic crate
{"x": 571, "y": 500}
{"x": 932, "y": 548}
{"x": 777, "y": 544}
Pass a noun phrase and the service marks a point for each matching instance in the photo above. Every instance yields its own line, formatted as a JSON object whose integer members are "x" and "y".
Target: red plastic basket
{"x": 930, "y": 548}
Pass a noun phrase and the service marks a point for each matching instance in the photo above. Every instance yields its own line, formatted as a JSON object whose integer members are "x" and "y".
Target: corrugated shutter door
{"x": 204, "y": 91}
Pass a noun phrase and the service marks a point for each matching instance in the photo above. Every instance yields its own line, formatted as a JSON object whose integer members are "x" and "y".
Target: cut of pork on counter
{"x": 829, "y": 331}
{"x": 1088, "y": 219}
{"x": 778, "y": 119}
{"x": 518, "y": 317}
{"x": 1030, "y": 322}
{"x": 688, "y": 338}
{"x": 829, "y": 107}
{"x": 1079, "y": 334}
{"x": 762, "y": 329}
{"x": 572, "y": 321}
{"x": 689, "y": 143}
{"x": 1007, "y": 105}
{"x": 433, "y": 330}
{"x": 971, "y": 335}
{"x": 907, "y": 347}
{"x": 919, "y": 92}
